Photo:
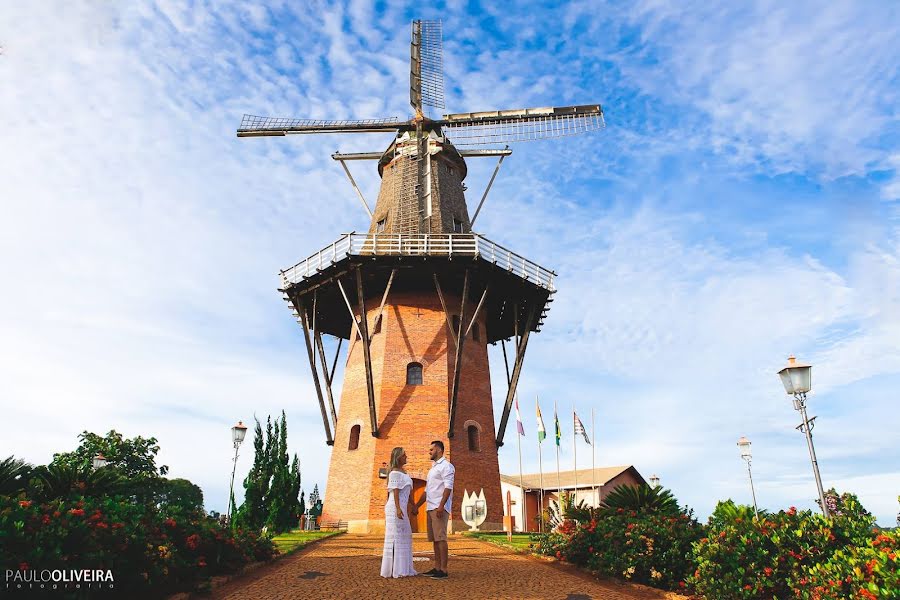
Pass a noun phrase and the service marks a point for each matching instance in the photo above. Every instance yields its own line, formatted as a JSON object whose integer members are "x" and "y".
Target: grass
{"x": 294, "y": 540}
{"x": 519, "y": 542}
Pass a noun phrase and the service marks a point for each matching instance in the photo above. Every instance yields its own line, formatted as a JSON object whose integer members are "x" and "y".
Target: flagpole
{"x": 574, "y": 458}
{"x": 556, "y": 439}
{"x": 593, "y": 462}
{"x": 541, "y": 470}
{"x": 522, "y": 484}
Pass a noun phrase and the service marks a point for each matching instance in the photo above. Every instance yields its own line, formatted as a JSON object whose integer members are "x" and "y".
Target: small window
{"x": 413, "y": 374}
{"x": 456, "y": 323}
{"x": 450, "y": 170}
{"x": 379, "y": 226}
{"x": 457, "y": 226}
{"x": 474, "y": 441}
{"x": 475, "y": 335}
{"x": 354, "y": 438}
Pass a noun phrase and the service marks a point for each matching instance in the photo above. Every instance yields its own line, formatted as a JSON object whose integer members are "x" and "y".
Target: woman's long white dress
{"x": 397, "y": 560}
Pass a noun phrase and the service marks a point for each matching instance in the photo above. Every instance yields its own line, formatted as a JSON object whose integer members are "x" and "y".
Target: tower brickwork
{"x": 413, "y": 329}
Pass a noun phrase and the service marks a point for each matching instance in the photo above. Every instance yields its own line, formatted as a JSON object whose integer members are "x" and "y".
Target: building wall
{"x": 591, "y": 497}
{"x": 413, "y": 329}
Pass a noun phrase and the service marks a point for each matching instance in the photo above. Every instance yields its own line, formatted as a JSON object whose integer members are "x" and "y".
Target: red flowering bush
{"x": 781, "y": 555}
{"x": 869, "y": 571}
{"x": 148, "y": 552}
{"x": 654, "y": 549}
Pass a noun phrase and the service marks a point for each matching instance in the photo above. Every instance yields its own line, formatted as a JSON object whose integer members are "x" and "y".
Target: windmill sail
{"x": 521, "y": 125}
{"x": 426, "y": 75}
{"x": 253, "y": 126}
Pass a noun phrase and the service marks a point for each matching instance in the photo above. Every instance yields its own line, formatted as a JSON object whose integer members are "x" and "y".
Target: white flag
{"x": 579, "y": 428}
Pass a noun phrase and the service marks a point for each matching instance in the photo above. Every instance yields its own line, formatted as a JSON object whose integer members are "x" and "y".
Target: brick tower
{"x": 418, "y": 298}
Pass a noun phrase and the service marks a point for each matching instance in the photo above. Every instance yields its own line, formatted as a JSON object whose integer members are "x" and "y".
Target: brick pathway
{"x": 347, "y": 566}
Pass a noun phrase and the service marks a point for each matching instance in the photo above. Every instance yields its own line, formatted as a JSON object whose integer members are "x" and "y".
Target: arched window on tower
{"x": 414, "y": 374}
{"x": 474, "y": 436}
{"x": 475, "y": 334}
{"x": 354, "y": 438}
{"x": 455, "y": 323}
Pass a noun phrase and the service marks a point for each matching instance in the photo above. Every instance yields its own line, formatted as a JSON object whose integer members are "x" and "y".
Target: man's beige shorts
{"x": 437, "y": 526}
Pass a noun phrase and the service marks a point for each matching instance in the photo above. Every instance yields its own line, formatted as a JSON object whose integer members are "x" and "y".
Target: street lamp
{"x": 237, "y": 436}
{"x": 654, "y": 480}
{"x": 744, "y": 445}
{"x": 797, "y": 379}
{"x": 99, "y": 461}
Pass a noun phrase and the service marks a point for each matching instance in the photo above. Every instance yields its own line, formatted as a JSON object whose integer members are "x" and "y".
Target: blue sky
{"x": 741, "y": 205}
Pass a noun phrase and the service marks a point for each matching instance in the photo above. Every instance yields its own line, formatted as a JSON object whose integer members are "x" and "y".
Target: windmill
{"x": 409, "y": 293}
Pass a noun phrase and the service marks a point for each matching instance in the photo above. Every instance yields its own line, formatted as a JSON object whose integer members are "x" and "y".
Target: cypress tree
{"x": 252, "y": 512}
{"x": 281, "y": 502}
{"x": 296, "y": 509}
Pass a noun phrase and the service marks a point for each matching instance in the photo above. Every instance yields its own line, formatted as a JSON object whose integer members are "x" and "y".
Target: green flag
{"x": 558, "y": 431}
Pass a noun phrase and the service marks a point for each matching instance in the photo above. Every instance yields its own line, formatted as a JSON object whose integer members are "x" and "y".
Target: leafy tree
{"x": 134, "y": 458}
{"x": 14, "y": 474}
{"x": 181, "y": 495}
{"x": 643, "y": 499}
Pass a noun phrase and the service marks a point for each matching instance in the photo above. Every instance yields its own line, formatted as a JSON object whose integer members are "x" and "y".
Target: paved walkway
{"x": 347, "y": 566}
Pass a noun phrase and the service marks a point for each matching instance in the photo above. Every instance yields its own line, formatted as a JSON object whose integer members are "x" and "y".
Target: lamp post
{"x": 99, "y": 461}
{"x": 237, "y": 436}
{"x": 797, "y": 378}
{"x": 654, "y": 481}
{"x": 744, "y": 445}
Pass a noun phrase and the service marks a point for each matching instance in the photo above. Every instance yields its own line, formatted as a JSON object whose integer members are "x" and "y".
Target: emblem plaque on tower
{"x": 415, "y": 300}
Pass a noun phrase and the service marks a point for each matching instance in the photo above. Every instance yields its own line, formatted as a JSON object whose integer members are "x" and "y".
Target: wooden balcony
{"x": 416, "y": 245}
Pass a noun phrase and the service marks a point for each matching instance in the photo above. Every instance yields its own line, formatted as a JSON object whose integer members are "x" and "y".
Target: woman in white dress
{"x": 397, "y": 560}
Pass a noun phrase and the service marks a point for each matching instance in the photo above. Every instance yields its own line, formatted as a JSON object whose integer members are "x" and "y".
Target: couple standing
{"x": 397, "y": 560}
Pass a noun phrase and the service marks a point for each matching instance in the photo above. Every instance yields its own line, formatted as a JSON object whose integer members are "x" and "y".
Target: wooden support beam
{"x": 437, "y": 286}
{"x": 505, "y": 360}
{"x": 364, "y": 336}
{"x": 315, "y": 374}
{"x": 457, "y": 365}
{"x": 328, "y": 379}
{"x": 358, "y": 192}
{"x": 350, "y": 308}
{"x": 337, "y": 353}
{"x": 384, "y": 298}
{"x": 477, "y": 310}
{"x": 488, "y": 189}
{"x": 517, "y": 370}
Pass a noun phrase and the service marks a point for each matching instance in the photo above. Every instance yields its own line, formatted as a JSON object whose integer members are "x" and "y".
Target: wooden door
{"x": 418, "y": 522}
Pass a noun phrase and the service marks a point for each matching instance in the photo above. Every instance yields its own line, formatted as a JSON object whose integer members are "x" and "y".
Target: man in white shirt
{"x": 439, "y": 498}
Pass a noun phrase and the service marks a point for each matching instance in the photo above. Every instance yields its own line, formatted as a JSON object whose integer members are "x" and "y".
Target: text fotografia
{"x": 59, "y": 579}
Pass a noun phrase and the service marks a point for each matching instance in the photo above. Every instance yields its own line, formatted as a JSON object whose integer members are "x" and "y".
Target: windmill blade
{"x": 253, "y": 126}
{"x": 426, "y": 61}
{"x": 521, "y": 125}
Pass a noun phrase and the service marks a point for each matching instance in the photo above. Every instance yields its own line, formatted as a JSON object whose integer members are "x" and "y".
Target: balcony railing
{"x": 444, "y": 244}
